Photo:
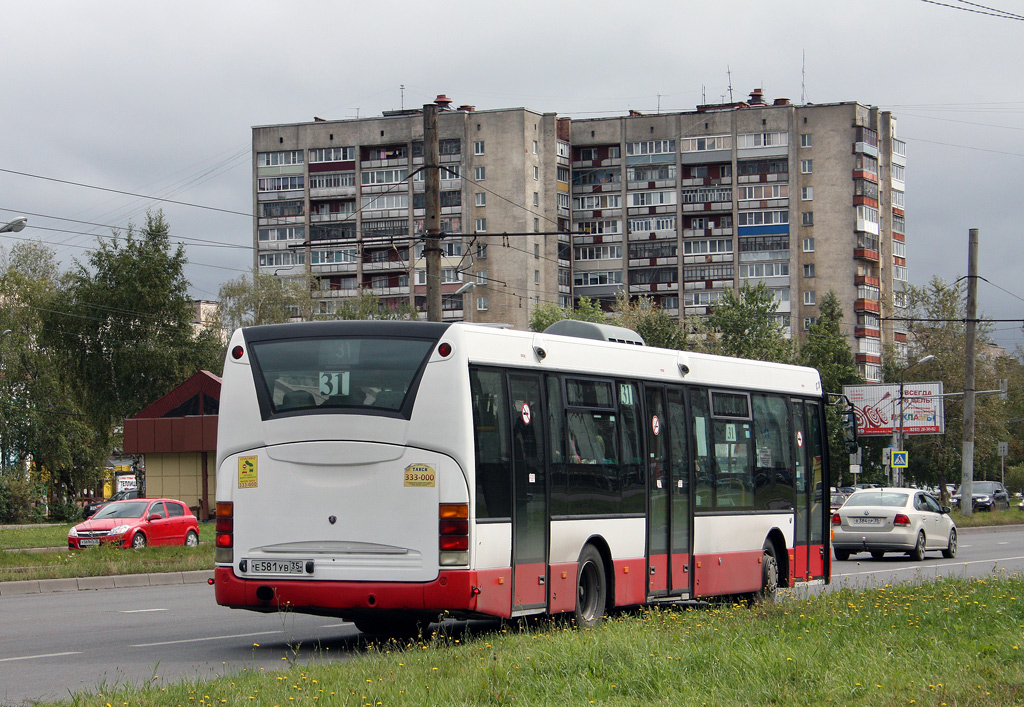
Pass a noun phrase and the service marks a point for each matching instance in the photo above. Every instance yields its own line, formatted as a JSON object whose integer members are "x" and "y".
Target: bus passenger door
{"x": 668, "y": 538}
{"x": 529, "y": 494}
{"x": 812, "y": 493}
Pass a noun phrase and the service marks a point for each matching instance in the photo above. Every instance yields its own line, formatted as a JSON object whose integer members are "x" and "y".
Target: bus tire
{"x": 591, "y": 588}
{"x": 769, "y": 574}
{"x": 391, "y": 626}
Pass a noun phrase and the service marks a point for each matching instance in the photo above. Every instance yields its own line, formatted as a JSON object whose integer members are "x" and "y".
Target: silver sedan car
{"x": 881, "y": 520}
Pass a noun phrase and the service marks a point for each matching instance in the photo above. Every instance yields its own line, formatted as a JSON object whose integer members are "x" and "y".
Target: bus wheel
{"x": 591, "y": 589}
{"x": 769, "y": 574}
{"x": 391, "y": 626}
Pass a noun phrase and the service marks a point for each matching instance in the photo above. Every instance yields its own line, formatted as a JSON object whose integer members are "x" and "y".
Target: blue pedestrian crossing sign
{"x": 899, "y": 459}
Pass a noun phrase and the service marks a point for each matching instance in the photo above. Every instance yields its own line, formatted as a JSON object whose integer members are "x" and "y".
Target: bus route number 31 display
{"x": 419, "y": 475}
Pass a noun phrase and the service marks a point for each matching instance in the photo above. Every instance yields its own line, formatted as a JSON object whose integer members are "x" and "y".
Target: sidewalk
{"x": 156, "y": 579}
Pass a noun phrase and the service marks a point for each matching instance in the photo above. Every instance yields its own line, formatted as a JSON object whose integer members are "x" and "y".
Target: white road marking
{"x": 890, "y": 568}
{"x": 206, "y": 638}
{"x": 34, "y": 657}
{"x": 139, "y": 611}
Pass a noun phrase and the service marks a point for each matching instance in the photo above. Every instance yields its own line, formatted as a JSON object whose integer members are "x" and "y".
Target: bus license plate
{"x": 276, "y": 566}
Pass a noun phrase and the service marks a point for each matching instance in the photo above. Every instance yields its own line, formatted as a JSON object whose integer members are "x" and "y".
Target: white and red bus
{"x": 386, "y": 472}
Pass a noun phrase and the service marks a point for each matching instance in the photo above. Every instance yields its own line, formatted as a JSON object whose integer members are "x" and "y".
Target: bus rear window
{"x": 338, "y": 373}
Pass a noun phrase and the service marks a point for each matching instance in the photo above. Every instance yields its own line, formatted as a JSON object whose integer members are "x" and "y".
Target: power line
{"x": 991, "y": 12}
{"x": 126, "y": 193}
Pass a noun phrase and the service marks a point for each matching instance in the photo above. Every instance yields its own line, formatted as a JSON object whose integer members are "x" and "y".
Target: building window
{"x": 899, "y": 249}
{"x": 809, "y": 270}
{"x": 809, "y": 298}
{"x": 536, "y": 251}
{"x": 274, "y": 159}
{"x": 899, "y": 272}
{"x": 478, "y": 147}
{"x": 535, "y": 147}
{"x": 806, "y": 140}
{"x": 748, "y": 140}
{"x": 481, "y": 198}
{"x": 898, "y": 172}
{"x": 809, "y": 322}
{"x": 897, "y": 198}
{"x": 806, "y": 166}
{"x": 481, "y": 277}
{"x": 481, "y": 304}
{"x": 807, "y": 193}
{"x": 450, "y": 275}
{"x": 479, "y": 173}
{"x": 807, "y": 218}
{"x": 808, "y": 245}
{"x": 536, "y": 198}
{"x": 481, "y": 225}
{"x": 536, "y": 277}
{"x": 536, "y": 173}
{"x": 481, "y": 250}
{"x": 331, "y": 154}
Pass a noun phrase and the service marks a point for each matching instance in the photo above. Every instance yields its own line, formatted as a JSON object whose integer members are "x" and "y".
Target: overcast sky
{"x": 157, "y": 98}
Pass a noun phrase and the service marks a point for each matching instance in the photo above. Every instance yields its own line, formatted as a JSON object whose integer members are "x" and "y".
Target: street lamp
{"x": 467, "y": 311}
{"x": 14, "y": 226}
{"x": 899, "y": 440}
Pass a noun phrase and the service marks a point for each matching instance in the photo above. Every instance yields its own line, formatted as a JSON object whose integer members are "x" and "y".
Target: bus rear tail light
{"x": 225, "y": 532}
{"x": 453, "y": 534}
{"x": 901, "y": 519}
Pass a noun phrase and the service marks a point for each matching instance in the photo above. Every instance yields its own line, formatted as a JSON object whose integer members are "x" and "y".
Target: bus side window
{"x": 491, "y": 434}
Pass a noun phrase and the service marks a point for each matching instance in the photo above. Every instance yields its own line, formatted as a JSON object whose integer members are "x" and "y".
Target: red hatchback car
{"x": 137, "y": 523}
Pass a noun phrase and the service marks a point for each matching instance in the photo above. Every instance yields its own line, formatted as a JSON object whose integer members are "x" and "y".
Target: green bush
{"x": 18, "y": 499}
{"x": 65, "y": 511}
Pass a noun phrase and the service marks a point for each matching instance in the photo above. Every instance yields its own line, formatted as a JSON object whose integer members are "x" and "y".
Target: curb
{"x": 49, "y": 586}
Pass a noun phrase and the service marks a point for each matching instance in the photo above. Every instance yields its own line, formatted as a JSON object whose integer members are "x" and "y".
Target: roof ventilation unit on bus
{"x": 593, "y": 330}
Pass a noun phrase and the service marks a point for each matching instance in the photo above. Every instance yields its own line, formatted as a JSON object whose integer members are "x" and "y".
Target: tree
{"x": 44, "y": 437}
{"x": 744, "y": 325}
{"x": 646, "y": 318}
{"x": 263, "y": 299}
{"x": 122, "y": 327}
{"x": 937, "y": 312}
{"x": 826, "y": 349}
{"x": 547, "y": 313}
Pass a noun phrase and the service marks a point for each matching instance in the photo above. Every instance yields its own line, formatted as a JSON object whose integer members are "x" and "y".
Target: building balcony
{"x": 867, "y": 305}
{"x": 866, "y": 280}
{"x": 866, "y": 254}
{"x": 868, "y": 358}
{"x": 862, "y": 332}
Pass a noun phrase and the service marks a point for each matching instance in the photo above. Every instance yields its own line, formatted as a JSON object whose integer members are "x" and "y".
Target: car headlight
{"x": 73, "y": 533}
{"x": 118, "y": 530}
{"x": 983, "y": 499}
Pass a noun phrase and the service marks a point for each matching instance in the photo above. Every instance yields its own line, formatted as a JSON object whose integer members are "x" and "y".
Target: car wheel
{"x": 841, "y": 555}
{"x": 192, "y": 539}
{"x": 877, "y": 554}
{"x": 917, "y": 553}
{"x": 591, "y": 589}
{"x": 138, "y": 541}
{"x": 950, "y": 551}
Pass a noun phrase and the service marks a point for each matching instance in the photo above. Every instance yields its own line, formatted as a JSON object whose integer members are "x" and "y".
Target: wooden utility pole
{"x": 432, "y": 212}
{"x": 967, "y": 462}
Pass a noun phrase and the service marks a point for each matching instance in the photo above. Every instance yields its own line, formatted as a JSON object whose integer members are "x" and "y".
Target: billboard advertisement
{"x": 878, "y": 408}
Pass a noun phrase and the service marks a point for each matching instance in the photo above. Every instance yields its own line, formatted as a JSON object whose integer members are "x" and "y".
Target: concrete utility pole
{"x": 967, "y": 463}
{"x": 432, "y": 211}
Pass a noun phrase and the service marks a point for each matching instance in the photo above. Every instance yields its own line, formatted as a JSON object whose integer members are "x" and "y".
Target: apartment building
{"x": 536, "y": 208}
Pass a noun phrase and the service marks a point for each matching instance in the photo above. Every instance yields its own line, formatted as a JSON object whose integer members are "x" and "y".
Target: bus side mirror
{"x": 849, "y": 421}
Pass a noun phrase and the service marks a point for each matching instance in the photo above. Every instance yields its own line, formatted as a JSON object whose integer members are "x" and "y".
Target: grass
{"x": 950, "y": 642}
{"x": 978, "y": 519}
{"x": 17, "y": 562}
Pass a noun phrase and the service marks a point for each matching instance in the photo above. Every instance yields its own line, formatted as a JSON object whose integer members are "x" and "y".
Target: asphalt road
{"x": 54, "y": 644}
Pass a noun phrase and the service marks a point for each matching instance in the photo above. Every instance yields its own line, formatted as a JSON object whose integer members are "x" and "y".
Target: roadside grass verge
{"x": 17, "y": 562}
{"x": 953, "y": 641}
{"x": 978, "y": 519}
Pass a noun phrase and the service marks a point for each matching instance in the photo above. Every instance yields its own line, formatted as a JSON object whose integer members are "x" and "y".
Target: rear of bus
{"x": 341, "y": 472}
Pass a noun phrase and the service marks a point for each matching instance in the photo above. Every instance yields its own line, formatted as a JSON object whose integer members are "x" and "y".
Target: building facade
{"x": 678, "y": 207}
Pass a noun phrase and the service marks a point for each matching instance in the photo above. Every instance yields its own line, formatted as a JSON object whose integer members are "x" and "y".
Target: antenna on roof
{"x": 803, "y": 77}
{"x": 401, "y": 87}
{"x": 728, "y": 71}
